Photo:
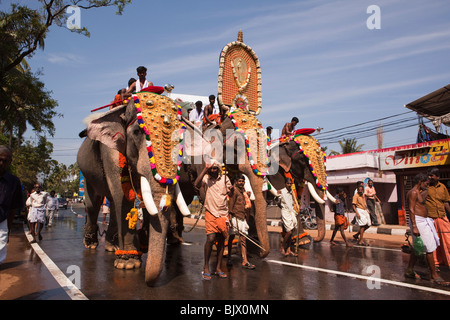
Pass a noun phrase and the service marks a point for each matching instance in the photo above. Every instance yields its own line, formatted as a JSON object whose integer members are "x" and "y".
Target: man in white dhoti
{"x": 37, "y": 204}
{"x": 423, "y": 226}
{"x": 362, "y": 215}
{"x": 288, "y": 217}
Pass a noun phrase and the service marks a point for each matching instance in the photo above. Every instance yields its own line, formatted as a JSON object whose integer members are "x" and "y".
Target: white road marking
{"x": 73, "y": 292}
{"x": 369, "y": 278}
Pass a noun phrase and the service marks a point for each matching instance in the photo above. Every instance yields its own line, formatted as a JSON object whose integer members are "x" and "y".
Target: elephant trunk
{"x": 320, "y": 219}
{"x": 157, "y": 247}
{"x": 261, "y": 221}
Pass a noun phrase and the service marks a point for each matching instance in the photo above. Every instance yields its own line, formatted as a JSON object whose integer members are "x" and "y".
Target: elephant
{"x": 235, "y": 158}
{"x": 303, "y": 158}
{"x": 127, "y": 154}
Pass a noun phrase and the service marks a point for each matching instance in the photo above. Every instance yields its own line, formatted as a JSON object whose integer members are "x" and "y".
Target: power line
{"x": 371, "y": 131}
{"x": 370, "y": 121}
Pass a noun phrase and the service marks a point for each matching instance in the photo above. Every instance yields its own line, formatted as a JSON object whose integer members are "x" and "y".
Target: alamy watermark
{"x": 374, "y": 20}
{"x": 75, "y": 275}
{"x": 74, "y": 20}
{"x": 375, "y": 275}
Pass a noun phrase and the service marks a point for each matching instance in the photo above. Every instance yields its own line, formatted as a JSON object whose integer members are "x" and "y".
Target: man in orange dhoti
{"x": 217, "y": 186}
{"x": 437, "y": 202}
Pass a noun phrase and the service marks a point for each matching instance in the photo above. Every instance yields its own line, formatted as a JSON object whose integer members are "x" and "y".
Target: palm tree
{"x": 347, "y": 146}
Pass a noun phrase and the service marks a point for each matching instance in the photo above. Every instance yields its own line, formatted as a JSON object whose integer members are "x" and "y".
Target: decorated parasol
{"x": 239, "y": 83}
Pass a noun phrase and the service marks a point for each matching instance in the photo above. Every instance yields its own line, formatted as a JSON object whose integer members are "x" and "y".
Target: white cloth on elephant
{"x": 288, "y": 214}
{"x": 427, "y": 232}
{"x": 364, "y": 218}
{"x": 138, "y": 85}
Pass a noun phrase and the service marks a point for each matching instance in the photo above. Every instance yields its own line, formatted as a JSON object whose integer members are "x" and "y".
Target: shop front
{"x": 408, "y": 161}
{"x": 392, "y": 171}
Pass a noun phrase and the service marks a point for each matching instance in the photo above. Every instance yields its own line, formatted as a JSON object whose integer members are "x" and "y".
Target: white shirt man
{"x": 52, "y": 207}
{"x": 196, "y": 115}
{"x": 38, "y": 202}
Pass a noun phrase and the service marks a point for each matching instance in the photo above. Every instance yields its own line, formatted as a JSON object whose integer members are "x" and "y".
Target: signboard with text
{"x": 433, "y": 153}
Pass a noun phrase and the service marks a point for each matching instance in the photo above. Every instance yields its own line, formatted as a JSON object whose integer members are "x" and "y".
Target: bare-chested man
{"x": 423, "y": 226}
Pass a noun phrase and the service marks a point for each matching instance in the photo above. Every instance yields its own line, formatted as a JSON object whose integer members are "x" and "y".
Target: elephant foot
{"x": 110, "y": 247}
{"x": 90, "y": 241}
{"x": 175, "y": 240}
{"x": 128, "y": 260}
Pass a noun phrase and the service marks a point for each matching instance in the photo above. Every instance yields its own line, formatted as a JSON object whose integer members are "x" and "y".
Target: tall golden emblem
{"x": 240, "y": 77}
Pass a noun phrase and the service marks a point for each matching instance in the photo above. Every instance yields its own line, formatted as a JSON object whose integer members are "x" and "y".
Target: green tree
{"x": 64, "y": 180}
{"x": 347, "y": 146}
{"x": 30, "y": 160}
{"x": 23, "y": 29}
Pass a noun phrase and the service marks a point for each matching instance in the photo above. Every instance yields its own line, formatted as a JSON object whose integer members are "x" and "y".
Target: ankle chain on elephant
{"x": 128, "y": 254}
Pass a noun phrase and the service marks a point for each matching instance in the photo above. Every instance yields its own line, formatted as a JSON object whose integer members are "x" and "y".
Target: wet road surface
{"x": 320, "y": 272}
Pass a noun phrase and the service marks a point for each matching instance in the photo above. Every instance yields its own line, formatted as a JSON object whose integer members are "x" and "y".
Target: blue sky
{"x": 319, "y": 60}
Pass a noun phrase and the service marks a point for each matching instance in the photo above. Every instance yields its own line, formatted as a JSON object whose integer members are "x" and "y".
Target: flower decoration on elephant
{"x": 256, "y": 141}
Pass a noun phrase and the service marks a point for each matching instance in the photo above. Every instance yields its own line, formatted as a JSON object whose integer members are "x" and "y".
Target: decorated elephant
{"x": 232, "y": 146}
{"x": 302, "y": 157}
{"x": 128, "y": 153}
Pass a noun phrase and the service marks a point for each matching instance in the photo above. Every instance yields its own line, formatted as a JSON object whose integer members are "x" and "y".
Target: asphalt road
{"x": 320, "y": 272}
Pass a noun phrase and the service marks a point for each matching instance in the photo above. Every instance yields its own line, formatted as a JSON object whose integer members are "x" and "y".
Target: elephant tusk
{"x": 272, "y": 190}
{"x": 330, "y": 197}
{"x": 248, "y": 187}
{"x": 313, "y": 192}
{"x": 148, "y": 197}
{"x": 180, "y": 201}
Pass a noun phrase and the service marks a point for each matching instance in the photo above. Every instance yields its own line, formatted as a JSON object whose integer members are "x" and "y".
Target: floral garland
{"x": 125, "y": 179}
{"x": 126, "y": 254}
{"x": 241, "y": 86}
{"x": 247, "y": 146}
{"x": 293, "y": 138}
{"x": 141, "y": 123}
{"x": 132, "y": 218}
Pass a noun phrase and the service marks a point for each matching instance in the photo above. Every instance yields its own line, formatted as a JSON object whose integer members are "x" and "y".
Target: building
{"x": 392, "y": 170}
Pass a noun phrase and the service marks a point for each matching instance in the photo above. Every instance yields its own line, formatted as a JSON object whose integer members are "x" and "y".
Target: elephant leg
{"x": 92, "y": 207}
{"x": 111, "y": 237}
{"x": 128, "y": 255}
{"x": 173, "y": 236}
{"x": 156, "y": 251}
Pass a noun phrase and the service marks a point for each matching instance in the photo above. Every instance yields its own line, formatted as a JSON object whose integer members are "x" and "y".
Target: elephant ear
{"x": 285, "y": 160}
{"x": 108, "y": 128}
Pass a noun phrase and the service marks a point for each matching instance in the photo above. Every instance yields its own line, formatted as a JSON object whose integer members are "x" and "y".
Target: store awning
{"x": 434, "y": 106}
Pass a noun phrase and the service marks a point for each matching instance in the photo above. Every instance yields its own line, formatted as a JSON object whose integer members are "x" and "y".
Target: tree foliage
{"x": 347, "y": 146}
{"x": 24, "y": 100}
{"x": 23, "y": 29}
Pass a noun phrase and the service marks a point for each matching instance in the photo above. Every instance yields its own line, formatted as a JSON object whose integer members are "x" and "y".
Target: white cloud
{"x": 65, "y": 58}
